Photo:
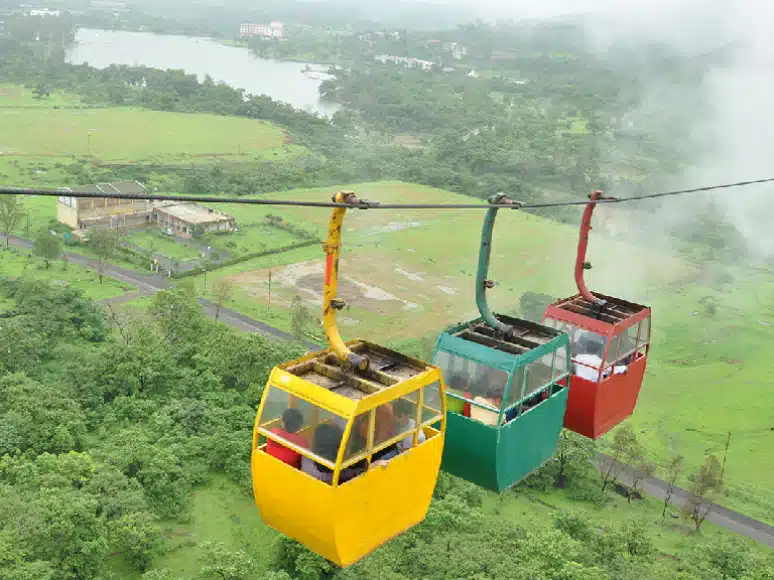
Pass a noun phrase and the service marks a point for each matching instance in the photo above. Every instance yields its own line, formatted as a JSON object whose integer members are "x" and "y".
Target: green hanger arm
{"x": 482, "y": 282}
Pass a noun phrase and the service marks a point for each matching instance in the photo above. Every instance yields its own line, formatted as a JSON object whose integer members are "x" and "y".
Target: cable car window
{"x": 517, "y": 388}
{"x": 468, "y": 379}
{"x": 645, "y": 331}
{"x": 579, "y": 337}
{"x": 294, "y": 420}
{"x": 560, "y": 364}
{"x": 539, "y": 374}
{"x": 628, "y": 345}
{"x": 614, "y": 354}
{"x": 431, "y": 404}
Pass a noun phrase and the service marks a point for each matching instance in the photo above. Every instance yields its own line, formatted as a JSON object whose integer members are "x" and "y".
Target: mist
{"x": 726, "y": 123}
{"x": 729, "y": 124}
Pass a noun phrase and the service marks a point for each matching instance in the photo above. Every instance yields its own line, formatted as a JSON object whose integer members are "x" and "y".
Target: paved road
{"x": 148, "y": 284}
{"x": 719, "y": 515}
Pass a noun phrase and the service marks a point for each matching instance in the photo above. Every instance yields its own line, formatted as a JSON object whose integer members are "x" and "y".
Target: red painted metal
{"x": 593, "y": 408}
{"x": 583, "y": 242}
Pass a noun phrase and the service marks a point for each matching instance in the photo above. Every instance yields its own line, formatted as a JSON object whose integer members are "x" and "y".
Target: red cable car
{"x": 609, "y": 343}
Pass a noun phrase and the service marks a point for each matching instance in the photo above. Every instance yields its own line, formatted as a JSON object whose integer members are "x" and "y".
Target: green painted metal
{"x": 482, "y": 283}
{"x": 497, "y": 458}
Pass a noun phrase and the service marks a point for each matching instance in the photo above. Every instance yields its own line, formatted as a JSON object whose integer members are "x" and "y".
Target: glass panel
{"x": 358, "y": 437}
{"x": 628, "y": 345}
{"x": 517, "y": 387}
{"x": 560, "y": 363}
{"x": 431, "y": 403}
{"x": 579, "y": 338}
{"x": 612, "y": 354}
{"x": 469, "y": 379}
{"x": 645, "y": 331}
{"x": 406, "y": 422}
{"x": 539, "y": 374}
{"x": 295, "y": 420}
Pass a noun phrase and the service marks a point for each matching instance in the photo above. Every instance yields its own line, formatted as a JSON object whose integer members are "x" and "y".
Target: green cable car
{"x": 506, "y": 381}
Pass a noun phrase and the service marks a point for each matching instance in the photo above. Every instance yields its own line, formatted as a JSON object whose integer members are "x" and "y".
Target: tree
{"x": 625, "y": 449}
{"x": 706, "y": 482}
{"x": 41, "y": 91}
{"x": 641, "y": 470}
{"x": 47, "y": 246}
{"x": 104, "y": 242}
{"x": 573, "y": 451}
{"x": 222, "y": 291}
{"x": 138, "y": 536}
{"x": 674, "y": 470}
{"x": 11, "y": 211}
{"x": 222, "y": 564}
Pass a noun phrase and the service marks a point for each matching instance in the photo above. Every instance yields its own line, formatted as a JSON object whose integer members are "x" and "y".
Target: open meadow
{"x": 58, "y": 127}
{"x": 407, "y": 274}
{"x": 17, "y": 263}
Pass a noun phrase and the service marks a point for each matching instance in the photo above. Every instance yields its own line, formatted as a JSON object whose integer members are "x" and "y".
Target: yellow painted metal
{"x": 344, "y": 523}
{"x": 331, "y": 302}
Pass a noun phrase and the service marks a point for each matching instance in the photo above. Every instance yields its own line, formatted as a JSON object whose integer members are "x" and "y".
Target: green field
{"x": 130, "y": 134}
{"x": 407, "y": 274}
{"x": 154, "y": 241}
{"x": 16, "y": 263}
{"x": 18, "y": 96}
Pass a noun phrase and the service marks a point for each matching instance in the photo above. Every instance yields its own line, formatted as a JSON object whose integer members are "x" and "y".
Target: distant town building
{"x": 44, "y": 12}
{"x": 406, "y": 61}
{"x": 183, "y": 219}
{"x": 272, "y": 30}
{"x": 81, "y": 213}
{"x": 175, "y": 218}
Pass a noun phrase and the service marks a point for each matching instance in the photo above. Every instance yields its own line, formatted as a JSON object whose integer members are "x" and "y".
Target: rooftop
{"x": 124, "y": 187}
{"x": 191, "y": 212}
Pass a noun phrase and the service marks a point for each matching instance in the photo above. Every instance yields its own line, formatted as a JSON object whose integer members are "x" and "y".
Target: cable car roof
{"x": 322, "y": 379}
{"x": 615, "y": 316}
{"x": 477, "y": 341}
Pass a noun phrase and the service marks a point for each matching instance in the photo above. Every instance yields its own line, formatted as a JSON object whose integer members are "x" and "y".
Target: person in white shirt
{"x": 405, "y": 422}
{"x": 591, "y": 362}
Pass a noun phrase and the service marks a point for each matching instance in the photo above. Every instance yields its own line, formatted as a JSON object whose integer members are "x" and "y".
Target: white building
{"x": 45, "y": 12}
{"x": 272, "y": 30}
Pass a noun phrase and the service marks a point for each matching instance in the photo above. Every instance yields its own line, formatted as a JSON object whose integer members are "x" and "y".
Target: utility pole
{"x": 27, "y": 225}
{"x": 269, "y": 305}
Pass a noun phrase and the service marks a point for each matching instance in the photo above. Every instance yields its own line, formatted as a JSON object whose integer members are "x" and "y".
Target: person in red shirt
{"x": 292, "y": 419}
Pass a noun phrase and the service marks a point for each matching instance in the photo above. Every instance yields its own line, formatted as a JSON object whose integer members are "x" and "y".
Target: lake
{"x": 235, "y": 66}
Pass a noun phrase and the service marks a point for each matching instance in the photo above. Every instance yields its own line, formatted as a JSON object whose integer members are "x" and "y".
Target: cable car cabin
{"x": 609, "y": 343}
{"x": 609, "y": 351}
{"x": 321, "y": 440}
{"x": 505, "y": 400}
{"x": 347, "y": 442}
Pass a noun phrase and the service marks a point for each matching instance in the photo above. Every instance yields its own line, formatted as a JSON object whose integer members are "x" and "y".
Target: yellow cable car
{"x": 348, "y": 441}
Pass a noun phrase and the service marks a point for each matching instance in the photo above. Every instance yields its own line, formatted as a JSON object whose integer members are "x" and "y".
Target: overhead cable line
{"x": 363, "y": 203}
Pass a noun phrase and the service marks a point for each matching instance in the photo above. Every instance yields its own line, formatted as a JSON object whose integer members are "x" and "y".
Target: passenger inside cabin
{"x": 326, "y": 443}
{"x": 591, "y": 362}
{"x": 458, "y": 382}
{"x": 405, "y": 412}
{"x": 292, "y": 420}
{"x": 492, "y": 397}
